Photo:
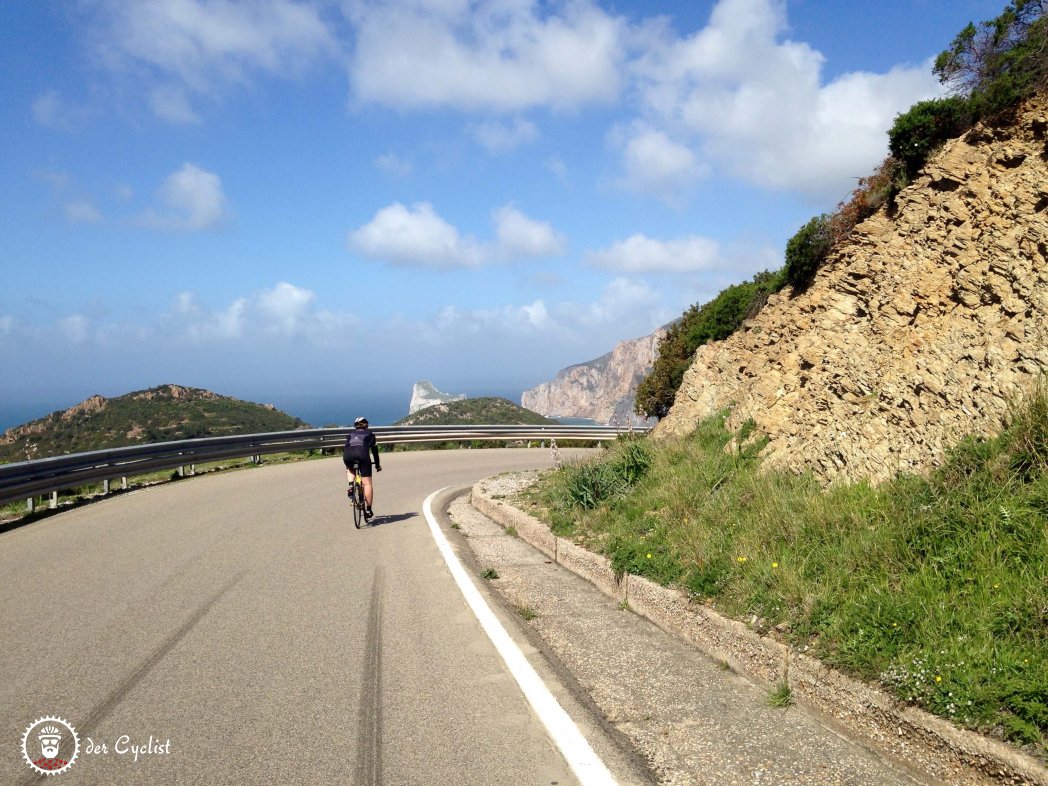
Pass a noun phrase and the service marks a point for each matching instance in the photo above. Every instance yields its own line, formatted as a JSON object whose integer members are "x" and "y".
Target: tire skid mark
{"x": 369, "y": 734}
{"x": 99, "y": 713}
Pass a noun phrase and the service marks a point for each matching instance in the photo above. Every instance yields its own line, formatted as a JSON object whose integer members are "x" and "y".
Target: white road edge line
{"x": 581, "y": 757}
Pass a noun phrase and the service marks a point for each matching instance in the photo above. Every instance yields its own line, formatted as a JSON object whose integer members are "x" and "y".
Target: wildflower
{"x": 938, "y": 678}
{"x": 740, "y": 560}
{"x": 775, "y": 564}
{"x": 649, "y": 555}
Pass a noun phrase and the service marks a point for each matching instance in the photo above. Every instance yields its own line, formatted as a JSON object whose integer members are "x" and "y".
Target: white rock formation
{"x": 424, "y": 394}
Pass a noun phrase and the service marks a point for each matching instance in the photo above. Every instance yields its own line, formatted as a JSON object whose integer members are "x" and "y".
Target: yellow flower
{"x": 938, "y": 678}
{"x": 649, "y": 555}
{"x": 775, "y": 564}
{"x": 740, "y": 559}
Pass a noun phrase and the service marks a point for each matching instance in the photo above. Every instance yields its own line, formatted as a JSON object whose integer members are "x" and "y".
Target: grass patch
{"x": 490, "y": 574}
{"x": 526, "y": 612}
{"x": 934, "y": 587}
{"x": 781, "y": 696}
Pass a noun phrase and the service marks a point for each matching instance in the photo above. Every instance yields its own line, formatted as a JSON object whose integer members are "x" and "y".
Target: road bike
{"x": 356, "y": 496}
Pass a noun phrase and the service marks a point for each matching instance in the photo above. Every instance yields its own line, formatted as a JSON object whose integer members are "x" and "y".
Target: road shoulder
{"x": 705, "y": 717}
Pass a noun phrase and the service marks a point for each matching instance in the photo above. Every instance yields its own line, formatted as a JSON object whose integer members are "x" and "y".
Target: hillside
{"x": 488, "y": 410}
{"x": 924, "y": 326}
{"x": 162, "y": 413}
{"x": 603, "y": 389}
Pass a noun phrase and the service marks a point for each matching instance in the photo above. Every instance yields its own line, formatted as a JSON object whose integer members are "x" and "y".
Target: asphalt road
{"x": 241, "y": 621}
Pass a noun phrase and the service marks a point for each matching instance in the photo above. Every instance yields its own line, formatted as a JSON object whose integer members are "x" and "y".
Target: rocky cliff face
{"x": 919, "y": 330}
{"x": 603, "y": 389}
{"x": 424, "y": 394}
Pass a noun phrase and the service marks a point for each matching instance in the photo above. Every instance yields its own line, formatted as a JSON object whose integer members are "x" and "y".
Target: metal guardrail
{"x": 30, "y": 479}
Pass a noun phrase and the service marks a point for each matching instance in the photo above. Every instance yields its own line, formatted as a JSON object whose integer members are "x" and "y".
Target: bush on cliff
{"x": 700, "y": 324}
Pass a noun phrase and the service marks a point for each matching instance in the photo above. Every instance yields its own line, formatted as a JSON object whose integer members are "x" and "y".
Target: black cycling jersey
{"x": 359, "y": 444}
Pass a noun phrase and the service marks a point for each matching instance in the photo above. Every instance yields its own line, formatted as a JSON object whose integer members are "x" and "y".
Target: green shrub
{"x": 700, "y": 324}
{"x": 807, "y": 250}
{"x": 926, "y": 125}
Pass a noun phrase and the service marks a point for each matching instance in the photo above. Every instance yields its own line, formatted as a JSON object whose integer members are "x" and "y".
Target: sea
{"x": 318, "y": 411}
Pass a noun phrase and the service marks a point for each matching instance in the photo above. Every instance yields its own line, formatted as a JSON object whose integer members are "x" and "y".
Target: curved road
{"x": 241, "y": 621}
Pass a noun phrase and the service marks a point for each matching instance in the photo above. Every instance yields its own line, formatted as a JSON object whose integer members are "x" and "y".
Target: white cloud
{"x": 191, "y": 199}
{"x": 624, "y": 309}
{"x": 656, "y": 164}
{"x": 754, "y": 104}
{"x": 414, "y": 236}
{"x": 82, "y": 211}
{"x": 498, "y": 137}
{"x": 286, "y": 312}
{"x": 52, "y": 111}
{"x": 418, "y": 236}
{"x": 75, "y": 328}
{"x": 181, "y": 48}
{"x": 171, "y": 103}
{"x": 485, "y": 54}
{"x": 641, "y": 254}
{"x": 520, "y": 236}
{"x": 556, "y": 165}
{"x": 394, "y": 165}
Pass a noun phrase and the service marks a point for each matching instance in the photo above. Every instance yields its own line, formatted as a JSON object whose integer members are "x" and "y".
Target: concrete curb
{"x": 924, "y": 742}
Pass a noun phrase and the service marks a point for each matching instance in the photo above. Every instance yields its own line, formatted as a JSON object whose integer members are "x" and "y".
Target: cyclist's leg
{"x": 369, "y": 490}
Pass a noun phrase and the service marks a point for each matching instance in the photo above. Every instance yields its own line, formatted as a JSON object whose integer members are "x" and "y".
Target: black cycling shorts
{"x": 365, "y": 464}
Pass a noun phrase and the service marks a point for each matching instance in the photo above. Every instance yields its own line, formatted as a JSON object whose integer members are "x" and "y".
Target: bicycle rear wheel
{"x": 358, "y": 505}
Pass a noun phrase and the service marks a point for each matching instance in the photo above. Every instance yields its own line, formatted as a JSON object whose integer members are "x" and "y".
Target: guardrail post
{"x": 105, "y": 486}
{"x": 123, "y": 483}
{"x": 54, "y": 500}
{"x": 31, "y": 504}
{"x": 192, "y": 470}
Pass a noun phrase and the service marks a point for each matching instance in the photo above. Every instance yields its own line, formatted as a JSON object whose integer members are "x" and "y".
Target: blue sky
{"x": 294, "y": 201}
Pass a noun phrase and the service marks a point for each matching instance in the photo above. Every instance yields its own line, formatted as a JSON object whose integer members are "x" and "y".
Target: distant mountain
{"x": 425, "y": 394}
{"x": 602, "y": 390}
{"x": 488, "y": 410}
{"x": 162, "y": 413}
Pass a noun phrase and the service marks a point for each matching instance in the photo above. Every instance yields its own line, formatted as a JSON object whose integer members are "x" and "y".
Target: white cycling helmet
{"x": 360, "y": 423}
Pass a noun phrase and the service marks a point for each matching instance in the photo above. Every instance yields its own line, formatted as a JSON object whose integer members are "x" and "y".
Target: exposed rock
{"x": 424, "y": 394}
{"x": 920, "y": 329}
{"x": 602, "y": 390}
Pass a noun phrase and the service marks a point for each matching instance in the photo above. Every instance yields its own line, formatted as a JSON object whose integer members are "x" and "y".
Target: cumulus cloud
{"x": 754, "y": 103}
{"x": 520, "y": 236}
{"x": 485, "y": 54}
{"x": 419, "y": 237}
{"x": 191, "y": 200}
{"x": 641, "y": 254}
{"x": 185, "y": 48}
{"x": 286, "y": 311}
{"x": 414, "y": 236}
{"x": 498, "y": 137}
{"x": 655, "y": 164}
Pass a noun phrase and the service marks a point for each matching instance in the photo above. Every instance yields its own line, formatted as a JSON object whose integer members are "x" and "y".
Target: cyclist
{"x": 359, "y": 443}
